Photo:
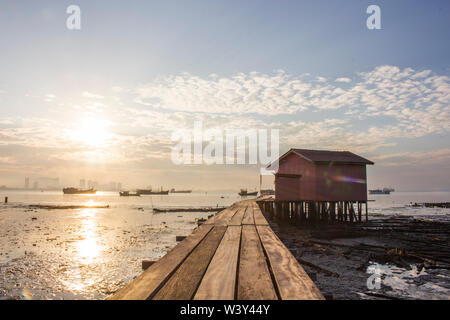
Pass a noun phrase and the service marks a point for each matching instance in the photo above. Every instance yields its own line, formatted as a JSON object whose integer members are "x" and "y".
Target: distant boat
{"x": 267, "y": 192}
{"x": 379, "y": 191}
{"x": 128, "y": 194}
{"x": 151, "y": 192}
{"x": 244, "y": 193}
{"x": 79, "y": 191}
{"x": 180, "y": 191}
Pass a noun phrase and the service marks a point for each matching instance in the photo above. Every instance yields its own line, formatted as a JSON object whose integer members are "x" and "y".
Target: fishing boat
{"x": 151, "y": 192}
{"x": 79, "y": 191}
{"x": 267, "y": 192}
{"x": 380, "y": 191}
{"x": 128, "y": 194}
{"x": 180, "y": 191}
{"x": 245, "y": 193}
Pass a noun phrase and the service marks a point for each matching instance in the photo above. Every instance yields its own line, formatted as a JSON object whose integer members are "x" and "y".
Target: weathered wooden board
{"x": 185, "y": 281}
{"x": 248, "y": 217}
{"x": 258, "y": 216}
{"x": 146, "y": 284}
{"x": 236, "y": 220}
{"x": 219, "y": 281}
{"x": 254, "y": 281}
{"x": 292, "y": 281}
{"x": 226, "y": 215}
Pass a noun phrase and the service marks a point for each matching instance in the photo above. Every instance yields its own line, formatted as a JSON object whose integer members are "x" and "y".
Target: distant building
{"x": 27, "y": 183}
{"x": 82, "y": 184}
{"x": 36, "y": 185}
{"x": 316, "y": 175}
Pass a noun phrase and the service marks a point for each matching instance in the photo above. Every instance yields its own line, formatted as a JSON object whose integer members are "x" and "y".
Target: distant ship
{"x": 379, "y": 191}
{"x": 267, "y": 192}
{"x": 79, "y": 191}
{"x": 128, "y": 194}
{"x": 244, "y": 193}
{"x": 180, "y": 191}
{"x": 151, "y": 192}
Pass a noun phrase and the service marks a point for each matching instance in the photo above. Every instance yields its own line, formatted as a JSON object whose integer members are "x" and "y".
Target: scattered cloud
{"x": 90, "y": 95}
{"x": 344, "y": 80}
{"x": 368, "y": 113}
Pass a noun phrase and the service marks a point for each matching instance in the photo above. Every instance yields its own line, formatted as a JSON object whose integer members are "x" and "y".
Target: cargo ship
{"x": 151, "y": 192}
{"x": 79, "y": 191}
{"x": 380, "y": 191}
{"x": 267, "y": 192}
{"x": 180, "y": 191}
{"x": 128, "y": 194}
{"x": 245, "y": 193}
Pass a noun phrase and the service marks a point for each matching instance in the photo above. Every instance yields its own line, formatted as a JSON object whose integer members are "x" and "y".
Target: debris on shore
{"x": 411, "y": 255}
{"x": 60, "y": 207}
{"x": 432, "y": 205}
{"x": 180, "y": 209}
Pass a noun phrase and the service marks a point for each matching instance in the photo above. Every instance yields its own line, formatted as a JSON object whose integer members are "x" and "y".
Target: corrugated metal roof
{"x": 325, "y": 156}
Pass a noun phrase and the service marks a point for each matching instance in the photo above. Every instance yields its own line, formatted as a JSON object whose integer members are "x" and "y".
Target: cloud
{"x": 90, "y": 95}
{"x": 345, "y": 80}
{"x": 372, "y": 111}
{"x": 49, "y": 97}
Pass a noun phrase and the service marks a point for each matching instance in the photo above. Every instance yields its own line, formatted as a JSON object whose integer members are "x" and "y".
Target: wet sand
{"x": 341, "y": 260}
{"x": 85, "y": 253}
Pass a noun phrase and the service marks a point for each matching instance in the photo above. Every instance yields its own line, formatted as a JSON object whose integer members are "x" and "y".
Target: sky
{"x": 101, "y": 103}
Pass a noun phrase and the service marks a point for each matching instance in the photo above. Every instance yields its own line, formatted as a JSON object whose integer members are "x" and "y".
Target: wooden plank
{"x": 149, "y": 281}
{"x": 219, "y": 281}
{"x": 226, "y": 216}
{"x": 236, "y": 220}
{"x": 258, "y": 216}
{"x": 212, "y": 220}
{"x": 184, "y": 282}
{"x": 292, "y": 281}
{"x": 254, "y": 281}
{"x": 248, "y": 217}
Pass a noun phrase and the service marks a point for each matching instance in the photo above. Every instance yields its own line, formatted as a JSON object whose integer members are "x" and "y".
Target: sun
{"x": 93, "y": 132}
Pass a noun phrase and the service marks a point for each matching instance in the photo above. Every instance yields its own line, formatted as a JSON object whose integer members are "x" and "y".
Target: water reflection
{"x": 88, "y": 248}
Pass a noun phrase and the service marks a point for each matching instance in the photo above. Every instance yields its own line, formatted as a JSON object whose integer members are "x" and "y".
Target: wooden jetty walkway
{"x": 233, "y": 255}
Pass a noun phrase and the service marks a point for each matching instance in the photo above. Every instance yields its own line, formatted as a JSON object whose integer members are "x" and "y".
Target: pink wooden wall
{"x": 320, "y": 182}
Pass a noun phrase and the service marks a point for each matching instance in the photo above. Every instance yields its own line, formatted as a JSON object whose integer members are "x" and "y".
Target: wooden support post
{"x": 333, "y": 211}
{"x": 367, "y": 213}
{"x": 351, "y": 211}
{"x": 345, "y": 211}
{"x": 302, "y": 212}
{"x": 359, "y": 211}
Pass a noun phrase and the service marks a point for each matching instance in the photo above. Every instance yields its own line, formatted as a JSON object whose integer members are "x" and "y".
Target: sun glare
{"x": 93, "y": 132}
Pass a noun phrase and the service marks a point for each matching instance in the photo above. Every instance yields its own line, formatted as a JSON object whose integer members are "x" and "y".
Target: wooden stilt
{"x": 367, "y": 213}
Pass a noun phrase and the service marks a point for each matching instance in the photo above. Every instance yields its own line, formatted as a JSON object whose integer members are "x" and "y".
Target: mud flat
{"x": 201, "y": 209}
{"x": 410, "y": 255}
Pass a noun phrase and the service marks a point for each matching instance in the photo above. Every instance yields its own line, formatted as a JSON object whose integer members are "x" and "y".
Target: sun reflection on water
{"x": 88, "y": 247}
{"x": 87, "y": 250}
